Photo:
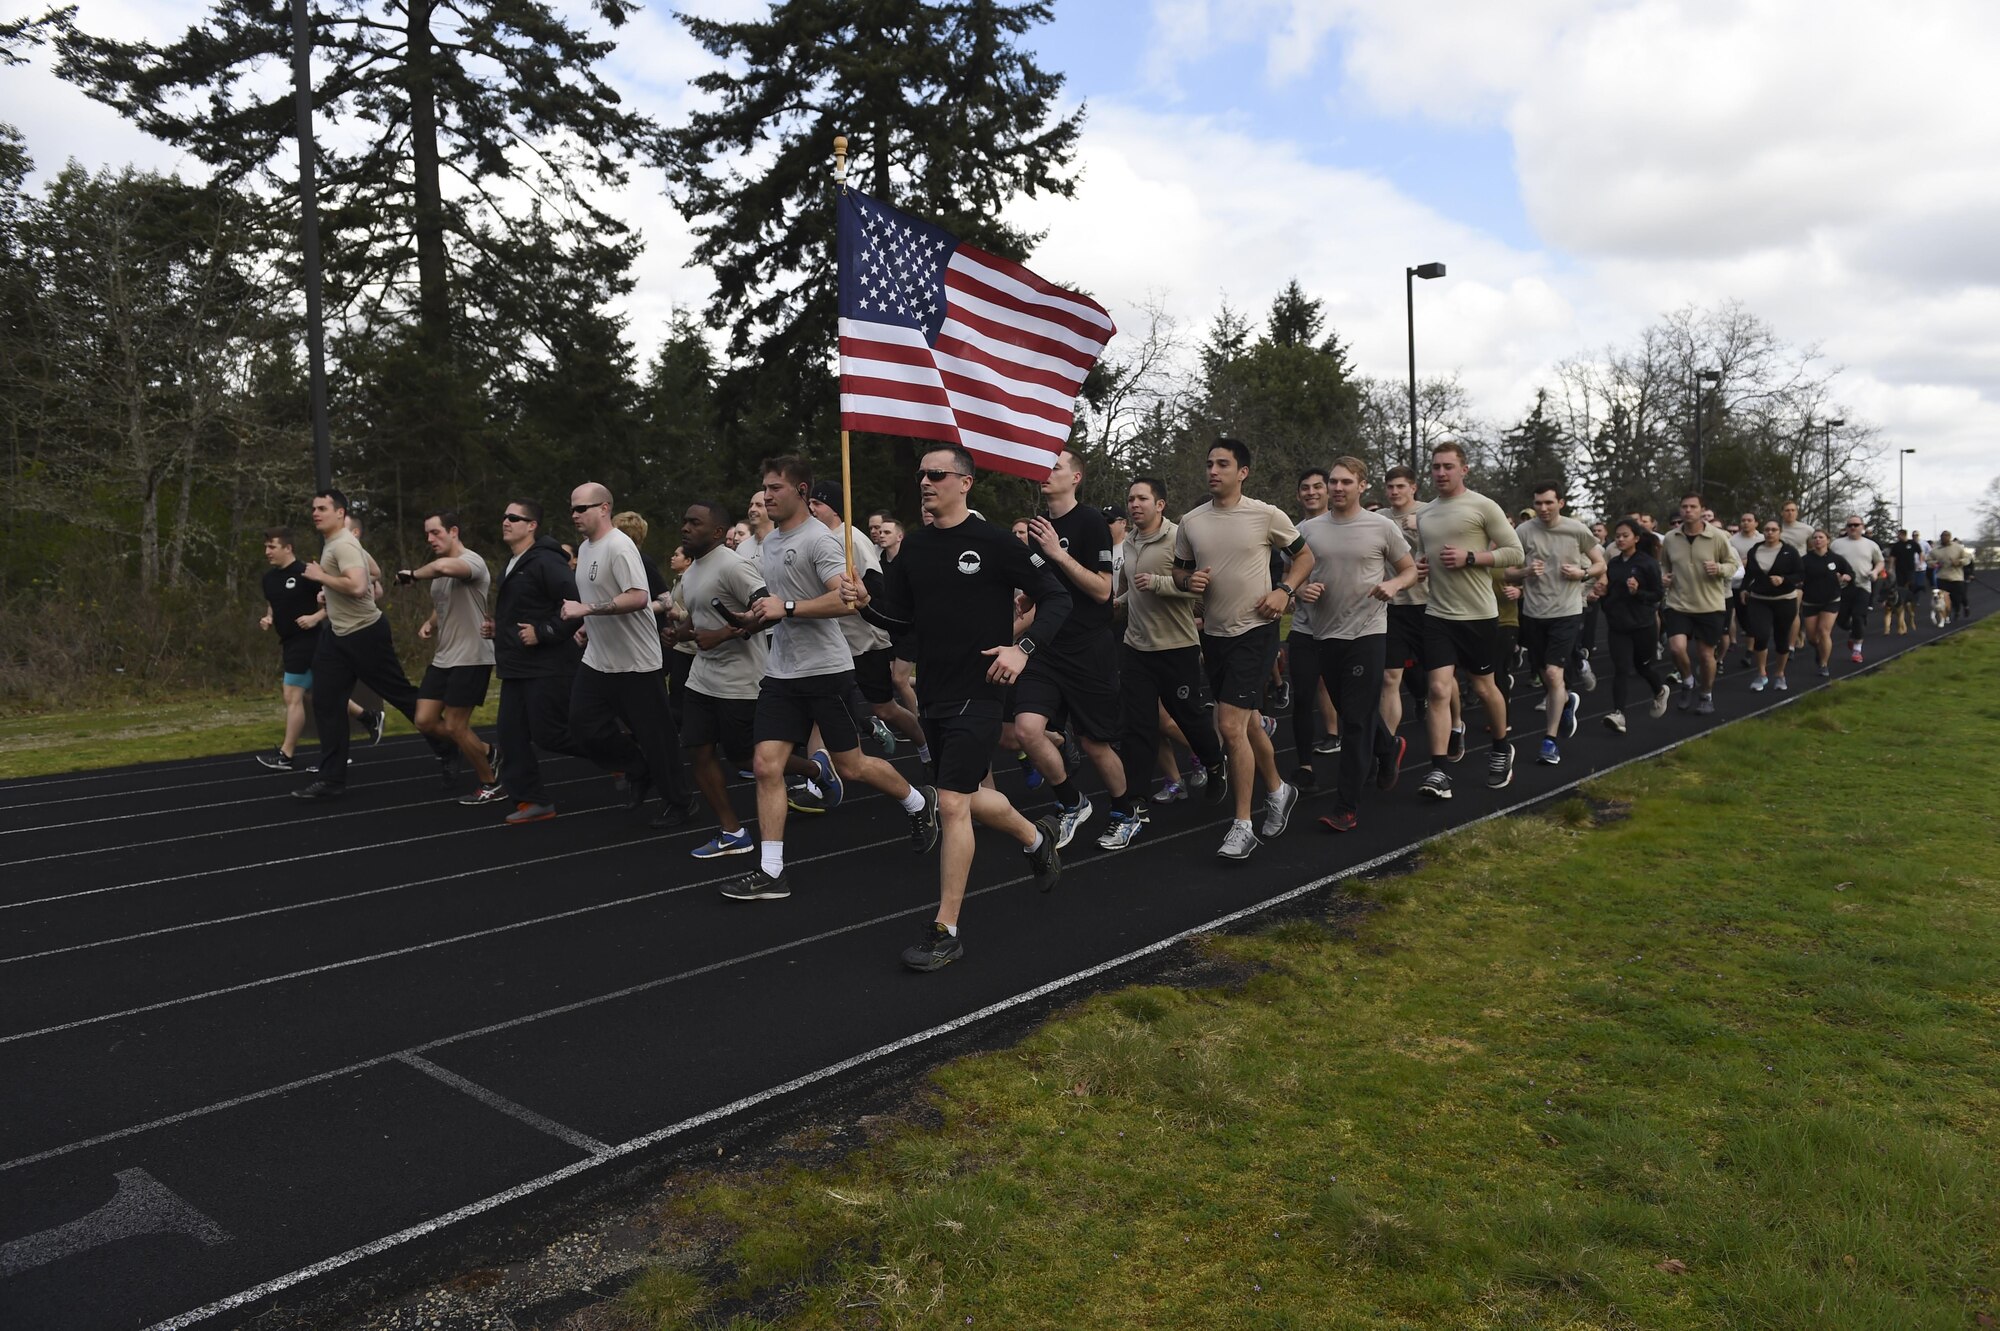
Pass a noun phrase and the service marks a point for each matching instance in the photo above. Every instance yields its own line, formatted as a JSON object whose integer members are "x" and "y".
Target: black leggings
{"x": 1633, "y": 652}
{"x": 1352, "y": 672}
{"x": 1771, "y": 623}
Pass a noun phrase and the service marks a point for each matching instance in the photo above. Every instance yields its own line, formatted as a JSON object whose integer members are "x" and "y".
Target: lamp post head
{"x": 1836, "y": 421}
{"x": 1909, "y": 450}
{"x": 1428, "y": 270}
{"x": 1710, "y": 376}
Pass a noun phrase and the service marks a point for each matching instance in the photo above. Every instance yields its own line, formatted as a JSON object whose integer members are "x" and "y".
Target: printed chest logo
{"x": 291, "y": 583}
{"x": 968, "y": 563}
{"x": 791, "y": 556}
{"x": 592, "y": 575}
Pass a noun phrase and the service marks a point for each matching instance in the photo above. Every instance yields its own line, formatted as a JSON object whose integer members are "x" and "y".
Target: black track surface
{"x": 326, "y": 1028}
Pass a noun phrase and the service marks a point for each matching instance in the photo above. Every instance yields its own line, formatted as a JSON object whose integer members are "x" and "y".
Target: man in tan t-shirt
{"x": 1222, "y": 553}
{"x": 460, "y": 671}
{"x": 357, "y": 646}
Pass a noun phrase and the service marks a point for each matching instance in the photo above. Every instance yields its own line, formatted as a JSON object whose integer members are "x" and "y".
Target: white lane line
{"x": 179, "y": 765}
{"x": 512, "y": 1109}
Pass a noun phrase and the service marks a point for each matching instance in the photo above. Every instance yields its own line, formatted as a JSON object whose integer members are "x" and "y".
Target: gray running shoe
{"x": 1238, "y": 842}
{"x": 1278, "y": 810}
{"x": 1660, "y": 701}
{"x": 1436, "y": 785}
{"x": 1117, "y": 836}
{"x": 1706, "y": 706}
{"x": 1068, "y": 820}
{"x": 939, "y": 949}
{"x": 1615, "y": 721}
{"x": 924, "y": 822}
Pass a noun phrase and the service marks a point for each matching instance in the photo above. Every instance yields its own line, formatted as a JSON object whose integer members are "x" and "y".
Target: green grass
{"x": 1748, "y": 1029}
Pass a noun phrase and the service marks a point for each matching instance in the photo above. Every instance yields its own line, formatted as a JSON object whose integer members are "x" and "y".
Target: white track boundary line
{"x": 492, "y": 1099}
{"x": 640, "y": 1143}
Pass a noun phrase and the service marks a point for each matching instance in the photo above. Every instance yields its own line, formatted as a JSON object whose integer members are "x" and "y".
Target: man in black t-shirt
{"x": 293, "y": 612}
{"x": 1075, "y": 675}
{"x": 1906, "y": 557}
{"x": 957, "y": 576}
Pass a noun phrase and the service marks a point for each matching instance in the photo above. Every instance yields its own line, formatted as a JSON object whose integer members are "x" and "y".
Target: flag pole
{"x": 846, "y": 462}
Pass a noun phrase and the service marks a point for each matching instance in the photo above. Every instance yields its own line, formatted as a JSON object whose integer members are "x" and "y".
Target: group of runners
{"x": 1144, "y": 648}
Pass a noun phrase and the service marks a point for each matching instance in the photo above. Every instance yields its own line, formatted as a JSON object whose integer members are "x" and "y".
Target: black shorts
{"x": 788, "y": 709}
{"x": 1703, "y": 626}
{"x": 727, "y": 723}
{"x": 904, "y": 647}
{"x": 1811, "y": 608}
{"x": 1080, "y": 687}
{"x": 872, "y": 676}
{"x": 1550, "y": 641}
{"x": 1405, "y": 648}
{"x": 1239, "y": 668}
{"x": 1471, "y": 645}
{"x": 962, "y": 738}
{"x": 456, "y": 686}
{"x": 296, "y": 652}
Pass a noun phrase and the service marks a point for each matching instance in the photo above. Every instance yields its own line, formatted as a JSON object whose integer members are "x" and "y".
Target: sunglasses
{"x": 585, "y": 508}
{"x": 515, "y": 517}
{"x": 934, "y": 476}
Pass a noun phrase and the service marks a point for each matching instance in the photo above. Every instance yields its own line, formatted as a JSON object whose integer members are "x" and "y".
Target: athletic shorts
{"x": 456, "y": 686}
{"x": 871, "y": 675}
{"x": 727, "y": 723}
{"x": 1405, "y": 648}
{"x": 296, "y": 652}
{"x": 1703, "y": 626}
{"x": 1550, "y": 641}
{"x": 298, "y": 679}
{"x": 788, "y": 709}
{"x": 1080, "y": 687}
{"x": 904, "y": 647}
{"x": 1239, "y": 668}
{"x": 1471, "y": 645}
{"x": 962, "y": 738}
{"x": 1811, "y": 608}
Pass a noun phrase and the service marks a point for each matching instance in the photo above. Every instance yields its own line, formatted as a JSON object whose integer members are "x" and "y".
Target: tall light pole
{"x": 1701, "y": 377}
{"x": 1902, "y": 453}
{"x": 302, "y": 45}
{"x": 1827, "y": 436}
{"x": 1425, "y": 271}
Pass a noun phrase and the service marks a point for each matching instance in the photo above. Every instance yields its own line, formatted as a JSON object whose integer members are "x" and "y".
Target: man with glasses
{"x": 957, "y": 576}
{"x": 455, "y": 682}
{"x": 619, "y": 677}
{"x": 535, "y": 654}
{"x": 1864, "y": 560}
{"x": 808, "y": 675}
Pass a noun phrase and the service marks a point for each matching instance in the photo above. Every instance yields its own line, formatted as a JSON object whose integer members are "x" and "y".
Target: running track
{"x": 250, "y": 1048}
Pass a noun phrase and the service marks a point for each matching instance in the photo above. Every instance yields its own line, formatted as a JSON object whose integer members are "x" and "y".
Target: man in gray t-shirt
{"x": 1560, "y": 557}
{"x": 619, "y": 678}
{"x": 719, "y": 704}
{"x": 462, "y": 667}
{"x": 807, "y": 678}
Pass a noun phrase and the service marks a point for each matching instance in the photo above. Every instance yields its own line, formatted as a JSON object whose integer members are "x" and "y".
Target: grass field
{"x": 1713, "y": 1047}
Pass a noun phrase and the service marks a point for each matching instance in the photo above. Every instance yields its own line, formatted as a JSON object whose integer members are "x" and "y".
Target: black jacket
{"x": 533, "y": 593}
{"x": 1779, "y": 580}
{"x": 1628, "y": 610}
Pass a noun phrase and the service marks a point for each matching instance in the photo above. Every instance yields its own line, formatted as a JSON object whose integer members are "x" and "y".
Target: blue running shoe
{"x": 827, "y": 780}
{"x": 739, "y": 842}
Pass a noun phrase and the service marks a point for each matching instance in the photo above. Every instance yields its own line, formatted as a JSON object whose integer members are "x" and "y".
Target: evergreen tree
{"x": 1532, "y": 452}
{"x": 945, "y": 117}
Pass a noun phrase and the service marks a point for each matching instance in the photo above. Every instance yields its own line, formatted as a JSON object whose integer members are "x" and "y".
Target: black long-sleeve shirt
{"x": 1822, "y": 575}
{"x": 955, "y": 586}
{"x": 1628, "y": 610}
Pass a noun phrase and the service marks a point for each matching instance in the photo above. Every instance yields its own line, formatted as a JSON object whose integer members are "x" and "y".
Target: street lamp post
{"x": 302, "y": 45}
{"x": 1425, "y": 271}
{"x": 1902, "y": 453}
{"x": 1827, "y": 436}
{"x": 1701, "y": 377}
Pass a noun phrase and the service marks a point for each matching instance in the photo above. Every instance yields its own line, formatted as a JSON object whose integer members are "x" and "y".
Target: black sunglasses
{"x": 934, "y": 476}
{"x": 515, "y": 517}
{"x": 585, "y": 508}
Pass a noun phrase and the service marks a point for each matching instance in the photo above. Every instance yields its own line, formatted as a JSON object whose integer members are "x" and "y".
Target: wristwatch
{"x": 790, "y": 606}
{"x": 1025, "y": 646}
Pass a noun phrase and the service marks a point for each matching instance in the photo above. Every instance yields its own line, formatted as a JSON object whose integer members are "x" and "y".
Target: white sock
{"x": 951, "y": 929}
{"x": 1039, "y": 838}
{"x": 1243, "y": 823}
{"x": 773, "y": 855}
{"x": 923, "y": 753}
{"x": 914, "y": 801}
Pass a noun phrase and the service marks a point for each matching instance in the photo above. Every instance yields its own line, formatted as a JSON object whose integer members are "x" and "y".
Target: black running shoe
{"x": 637, "y": 788}
{"x": 1436, "y": 785}
{"x": 374, "y": 723}
{"x": 1454, "y": 749}
{"x": 675, "y": 815}
{"x": 924, "y": 823}
{"x": 1281, "y": 696}
{"x": 939, "y": 949}
{"x": 1500, "y": 767}
{"x": 1217, "y": 788}
{"x": 320, "y": 790}
{"x": 492, "y": 793}
{"x": 278, "y": 761}
{"x": 757, "y": 886}
{"x": 1388, "y": 769}
{"x": 1046, "y": 862}
{"x": 1304, "y": 778}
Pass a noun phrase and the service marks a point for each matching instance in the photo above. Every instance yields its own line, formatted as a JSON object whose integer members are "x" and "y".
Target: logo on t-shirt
{"x": 290, "y": 583}
{"x": 592, "y": 575}
{"x": 968, "y": 563}
{"x": 791, "y": 556}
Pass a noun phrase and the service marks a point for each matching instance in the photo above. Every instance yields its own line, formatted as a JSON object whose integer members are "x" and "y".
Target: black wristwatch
{"x": 790, "y": 606}
{"x": 1025, "y": 646}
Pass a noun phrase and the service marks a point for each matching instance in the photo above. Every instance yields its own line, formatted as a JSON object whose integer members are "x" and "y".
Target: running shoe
{"x": 1073, "y": 758}
{"x": 757, "y": 886}
{"x": 1542, "y": 706}
{"x": 1327, "y": 744}
{"x": 739, "y": 842}
{"x": 320, "y": 790}
{"x": 1068, "y": 820}
{"x": 1855, "y": 654}
{"x": 493, "y": 760}
{"x": 671, "y": 816}
{"x": 1270, "y": 727}
{"x": 884, "y": 736}
{"x": 1454, "y": 749}
{"x": 1342, "y": 820}
{"x": 448, "y": 769}
{"x": 745, "y": 774}
{"x": 1281, "y": 696}
{"x": 1570, "y": 709}
{"x": 491, "y": 793}
{"x": 1549, "y": 755}
{"x": 527, "y": 812}
{"x": 924, "y": 822}
{"x": 1660, "y": 699}
{"x": 939, "y": 949}
{"x": 1303, "y": 777}
{"x": 1238, "y": 842}
{"x": 1588, "y": 676}
{"x": 278, "y": 761}
{"x": 1778, "y": 683}
{"x": 830, "y": 788}
{"x": 1388, "y": 770}
{"x": 1759, "y": 684}
{"x": 1687, "y": 695}
{"x": 1033, "y": 773}
{"x": 1615, "y": 721}
{"x": 1500, "y": 767}
{"x": 1143, "y": 812}
{"x": 1123, "y": 827}
{"x": 1706, "y": 706}
{"x": 1215, "y": 787}
{"x": 1436, "y": 785}
{"x": 1825, "y": 672}
{"x": 1278, "y": 807}
{"x": 374, "y": 723}
{"x": 1169, "y": 792}
{"x": 1045, "y": 861}
{"x": 802, "y": 796}
{"x": 1197, "y": 775}
{"x": 637, "y": 788}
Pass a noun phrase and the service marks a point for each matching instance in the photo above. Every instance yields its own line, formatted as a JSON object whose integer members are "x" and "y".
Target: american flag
{"x": 941, "y": 340}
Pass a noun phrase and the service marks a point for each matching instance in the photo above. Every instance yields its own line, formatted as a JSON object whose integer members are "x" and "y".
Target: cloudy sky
{"x": 1580, "y": 165}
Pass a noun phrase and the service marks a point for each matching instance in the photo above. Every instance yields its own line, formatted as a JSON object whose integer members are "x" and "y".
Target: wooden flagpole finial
{"x": 840, "y": 158}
